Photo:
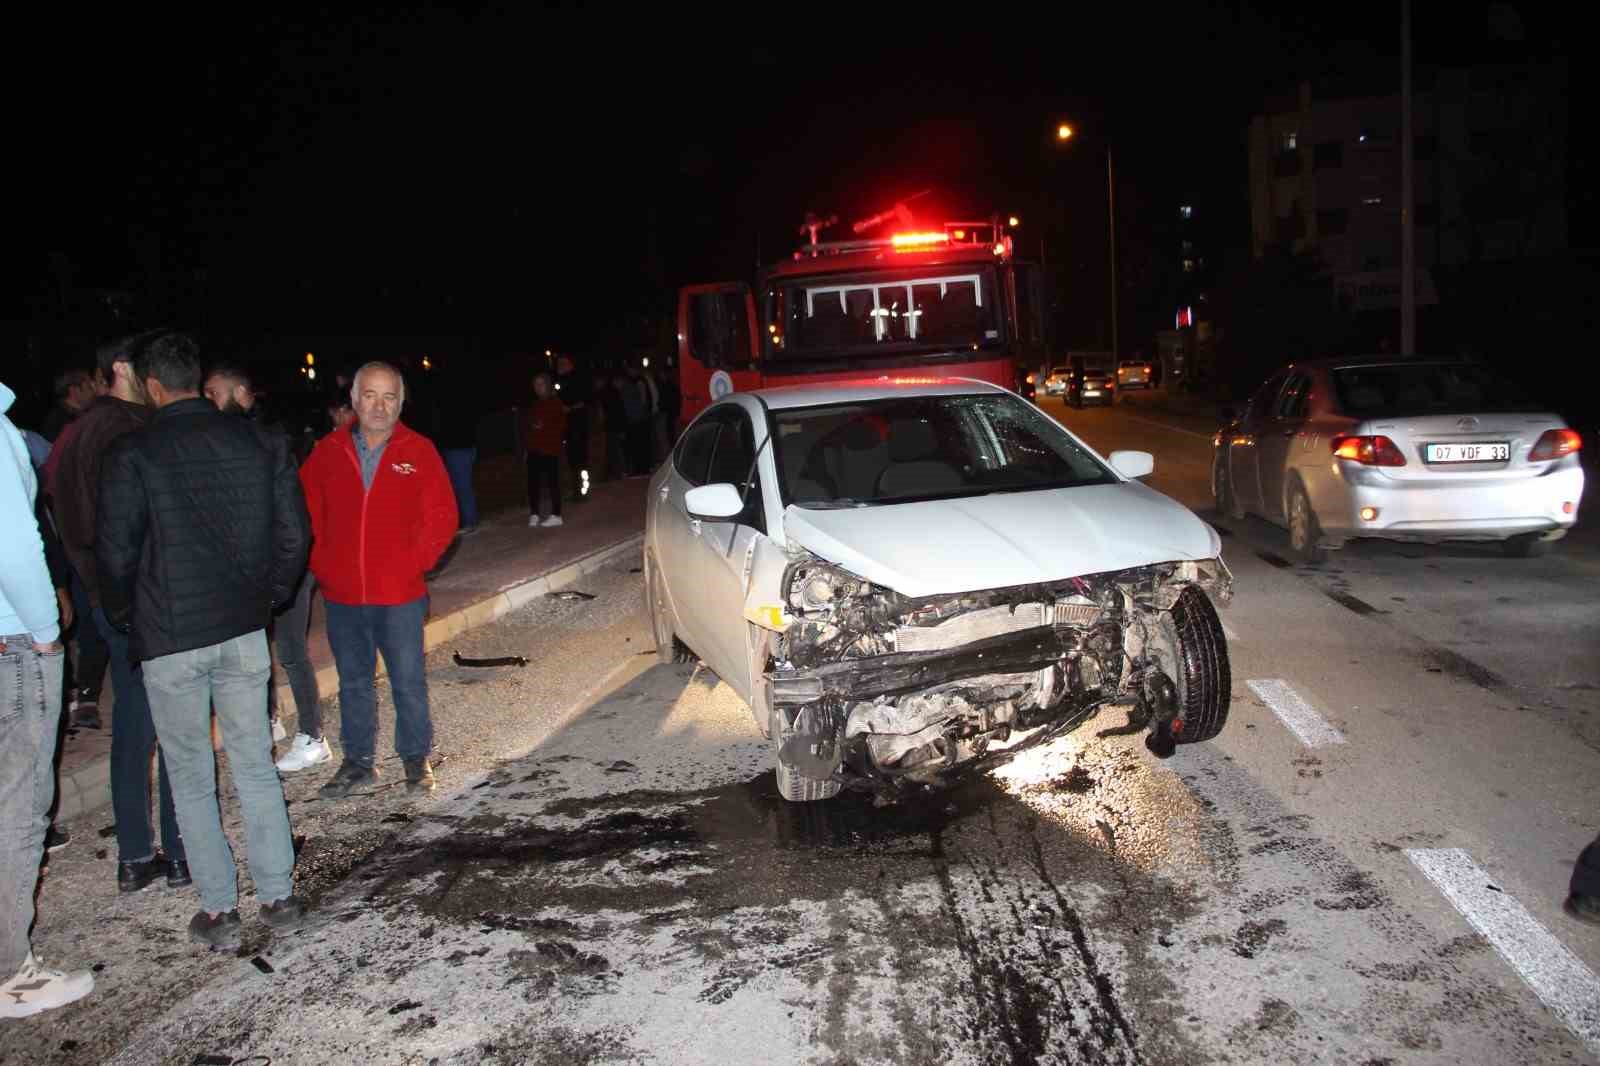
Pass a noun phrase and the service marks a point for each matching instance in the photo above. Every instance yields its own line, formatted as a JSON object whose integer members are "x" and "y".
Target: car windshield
{"x": 951, "y": 307}
{"x": 1397, "y": 390}
{"x": 924, "y": 447}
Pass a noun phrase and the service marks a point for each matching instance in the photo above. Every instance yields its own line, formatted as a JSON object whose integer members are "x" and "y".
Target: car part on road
{"x": 874, "y": 689}
{"x": 501, "y": 660}
{"x": 570, "y": 595}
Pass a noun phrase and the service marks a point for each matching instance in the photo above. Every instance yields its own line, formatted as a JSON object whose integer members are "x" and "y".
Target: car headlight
{"x": 815, "y": 586}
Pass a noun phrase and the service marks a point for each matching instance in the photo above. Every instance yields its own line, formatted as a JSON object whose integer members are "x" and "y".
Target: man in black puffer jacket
{"x": 202, "y": 531}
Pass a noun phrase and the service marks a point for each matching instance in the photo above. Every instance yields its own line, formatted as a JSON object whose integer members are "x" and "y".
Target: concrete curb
{"x": 88, "y": 788}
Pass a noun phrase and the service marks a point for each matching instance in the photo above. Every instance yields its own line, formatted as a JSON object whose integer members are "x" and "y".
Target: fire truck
{"x": 949, "y": 300}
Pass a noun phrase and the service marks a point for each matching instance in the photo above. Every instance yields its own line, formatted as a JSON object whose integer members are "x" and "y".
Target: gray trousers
{"x": 30, "y": 717}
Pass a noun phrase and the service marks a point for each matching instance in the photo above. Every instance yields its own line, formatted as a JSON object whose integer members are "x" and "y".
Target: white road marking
{"x": 1556, "y": 975}
{"x": 1293, "y": 711}
{"x": 1173, "y": 429}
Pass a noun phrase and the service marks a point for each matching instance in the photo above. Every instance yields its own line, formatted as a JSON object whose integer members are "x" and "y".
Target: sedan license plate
{"x": 1482, "y": 452}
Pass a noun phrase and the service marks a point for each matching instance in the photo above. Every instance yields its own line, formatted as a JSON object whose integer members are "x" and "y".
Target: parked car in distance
{"x": 1091, "y": 379}
{"x": 1400, "y": 449}
{"x": 1055, "y": 384}
{"x": 1133, "y": 374}
{"x": 911, "y": 580}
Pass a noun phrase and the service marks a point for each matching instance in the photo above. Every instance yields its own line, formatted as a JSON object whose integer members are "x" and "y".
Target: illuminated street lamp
{"x": 1063, "y": 133}
{"x": 1013, "y": 221}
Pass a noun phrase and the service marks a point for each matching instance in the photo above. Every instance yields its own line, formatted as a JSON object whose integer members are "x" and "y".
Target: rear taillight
{"x": 1368, "y": 451}
{"x": 1554, "y": 444}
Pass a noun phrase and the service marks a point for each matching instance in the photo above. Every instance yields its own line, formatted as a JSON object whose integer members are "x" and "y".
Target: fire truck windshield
{"x": 945, "y": 308}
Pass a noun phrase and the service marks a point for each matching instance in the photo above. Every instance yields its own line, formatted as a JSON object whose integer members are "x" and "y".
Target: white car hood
{"x": 986, "y": 542}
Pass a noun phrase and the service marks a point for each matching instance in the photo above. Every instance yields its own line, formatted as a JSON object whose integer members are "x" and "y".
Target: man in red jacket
{"x": 382, "y": 512}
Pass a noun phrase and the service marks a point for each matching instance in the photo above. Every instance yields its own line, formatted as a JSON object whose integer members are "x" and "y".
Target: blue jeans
{"x": 185, "y": 687}
{"x": 289, "y": 631}
{"x": 30, "y": 717}
{"x": 133, "y": 738}
{"x": 90, "y": 669}
{"x": 459, "y": 461}
{"x": 357, "y": 634}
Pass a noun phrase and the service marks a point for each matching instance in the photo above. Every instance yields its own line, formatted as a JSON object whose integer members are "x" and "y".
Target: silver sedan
{"x": 1410, "y": 449}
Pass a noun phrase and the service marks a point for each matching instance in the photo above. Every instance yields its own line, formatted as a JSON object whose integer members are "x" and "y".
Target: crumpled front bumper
{"x": 899, "y": 673}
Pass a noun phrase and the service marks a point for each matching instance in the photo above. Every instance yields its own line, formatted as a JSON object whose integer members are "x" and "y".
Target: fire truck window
{"x": 861, "y": 318}
{"x": 719, "y": 329}
{"x": 955, "y": 313}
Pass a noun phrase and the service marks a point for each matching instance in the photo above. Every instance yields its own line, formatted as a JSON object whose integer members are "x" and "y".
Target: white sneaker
{"x": 304, "y": 753}
{"x": 533, "y": 521}
{"x": 277, "y": 731}
{"x": 551, "y": 522}
{"x": 36, "y": 989}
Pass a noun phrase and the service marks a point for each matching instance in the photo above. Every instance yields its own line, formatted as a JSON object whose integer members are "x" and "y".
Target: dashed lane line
{"x": 1555, "y": 974}
{"x": 1295, "y": 713}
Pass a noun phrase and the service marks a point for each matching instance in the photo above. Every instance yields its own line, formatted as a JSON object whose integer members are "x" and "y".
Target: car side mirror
{"x": 714, "y": 503}
{"x": 1227, "y": 414}
{"x": 1132, "y": 464}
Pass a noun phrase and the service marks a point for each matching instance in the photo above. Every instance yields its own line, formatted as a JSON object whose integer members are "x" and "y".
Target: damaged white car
{"x": 908, "y": 580}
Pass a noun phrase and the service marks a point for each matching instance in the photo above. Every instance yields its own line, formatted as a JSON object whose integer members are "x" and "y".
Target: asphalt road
{"x": 1366, "y": 867}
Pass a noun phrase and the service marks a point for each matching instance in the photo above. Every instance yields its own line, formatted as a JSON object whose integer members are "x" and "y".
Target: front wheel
{"x": 1202, "y": 674}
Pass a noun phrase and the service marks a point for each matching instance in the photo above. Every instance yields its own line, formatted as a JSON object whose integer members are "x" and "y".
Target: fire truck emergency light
{"x": 919, "y": 240}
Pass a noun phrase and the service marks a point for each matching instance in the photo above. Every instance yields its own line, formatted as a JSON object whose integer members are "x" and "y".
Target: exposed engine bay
{"x": 872, "y": 688}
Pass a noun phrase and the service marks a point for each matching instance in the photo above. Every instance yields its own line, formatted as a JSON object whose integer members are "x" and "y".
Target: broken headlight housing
{"x": 816, "y": 586}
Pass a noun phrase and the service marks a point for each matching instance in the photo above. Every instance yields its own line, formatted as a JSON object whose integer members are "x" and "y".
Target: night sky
{"x": 531, "y": 177}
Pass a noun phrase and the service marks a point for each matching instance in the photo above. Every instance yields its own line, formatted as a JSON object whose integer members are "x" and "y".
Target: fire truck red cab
{"x": 950, "y": 300}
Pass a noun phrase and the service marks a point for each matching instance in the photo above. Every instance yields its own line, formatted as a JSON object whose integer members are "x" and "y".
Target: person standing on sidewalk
{"x": 576, "y": 391}
{"x": 543, "y": 428}
{"x": 229, "y": 387}
{"x": 32, "y": 658}
{"x": 202, "y": 532}
{"x": 382, "y": 514}
{"x": 74, "y": 491}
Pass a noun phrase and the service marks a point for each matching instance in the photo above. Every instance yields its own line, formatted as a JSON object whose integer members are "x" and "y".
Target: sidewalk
{"x": 484, "y": 576}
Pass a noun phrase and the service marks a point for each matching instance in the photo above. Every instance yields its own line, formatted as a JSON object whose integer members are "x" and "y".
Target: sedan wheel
{"x": 1304, "y": 532}
{"x": 1202, "y": 673}
{"x": 793, "y": 785}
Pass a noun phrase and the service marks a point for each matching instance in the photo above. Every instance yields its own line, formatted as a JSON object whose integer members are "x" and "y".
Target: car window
{"x": 1261, "y": 400}
{"x": 693, "y": 453}
{"x": 1293, "y": 402}
{"x": 731, "y": 462}
{"x": 1397, "y": 390}
{"x": 925, "y": 447}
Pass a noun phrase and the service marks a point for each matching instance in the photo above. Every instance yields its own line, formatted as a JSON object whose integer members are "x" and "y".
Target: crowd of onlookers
{"x": 167, "y": 528}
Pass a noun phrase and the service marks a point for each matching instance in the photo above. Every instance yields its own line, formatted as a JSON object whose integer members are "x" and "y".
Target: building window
{"x": 1372, "y": 201}
{"x": 1332, "y": 223}
{"x": 1329, "y": 155}
{"x": 1186, "y": 211}
{"x": 1291, "y": 141}
{"x": 1188, "y": 266}
{"x": 1188, "y": 246}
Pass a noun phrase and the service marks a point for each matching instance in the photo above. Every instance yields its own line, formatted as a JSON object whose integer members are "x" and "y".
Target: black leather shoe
{"x": 219, "y": 932}
{"x": 178, "y": 873}
{"x": 137, "y": 876}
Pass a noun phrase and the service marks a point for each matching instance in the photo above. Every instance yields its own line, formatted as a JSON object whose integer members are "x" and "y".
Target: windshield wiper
{"x": 833, "y": 505}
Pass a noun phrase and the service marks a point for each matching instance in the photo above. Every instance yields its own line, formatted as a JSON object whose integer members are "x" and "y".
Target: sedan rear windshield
{"x": 1399, "y": 390}
{"x": 922, "y": 448}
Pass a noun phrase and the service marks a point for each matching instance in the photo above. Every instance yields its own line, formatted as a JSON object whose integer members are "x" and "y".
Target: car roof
{"x": 887, "y": 387}
{"x": 1341, "y": 362}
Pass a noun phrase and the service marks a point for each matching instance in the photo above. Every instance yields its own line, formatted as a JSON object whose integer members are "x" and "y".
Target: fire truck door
{"x": 717, "y": 343}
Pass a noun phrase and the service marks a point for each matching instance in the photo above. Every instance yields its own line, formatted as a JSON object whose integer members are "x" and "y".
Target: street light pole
{"x": 1111, "y": 225}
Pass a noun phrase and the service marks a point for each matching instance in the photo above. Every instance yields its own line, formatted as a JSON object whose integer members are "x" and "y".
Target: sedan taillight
{"x": 1368, "y": 451}
{"x": 1554, "y": 444}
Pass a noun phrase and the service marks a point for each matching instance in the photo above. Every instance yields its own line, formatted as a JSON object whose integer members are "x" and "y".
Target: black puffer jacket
{"x": 202, "y": 529}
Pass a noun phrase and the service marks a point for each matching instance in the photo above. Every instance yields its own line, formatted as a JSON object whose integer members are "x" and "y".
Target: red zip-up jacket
{"x": 373, "y": 546}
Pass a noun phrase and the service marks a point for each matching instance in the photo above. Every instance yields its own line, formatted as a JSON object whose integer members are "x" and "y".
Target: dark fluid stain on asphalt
{"x": 1253, "y": 936}
{"x": 1275, "y": 560}
{"x": 1354, "y": 603}
{"x": 1443, "y": 660}
{"x": 725, "y": 869}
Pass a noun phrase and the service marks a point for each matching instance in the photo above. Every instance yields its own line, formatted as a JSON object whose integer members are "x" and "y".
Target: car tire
{"x": 1222, "y": 492}
{"x": 1305, "y": 532}
{"x": 793, "y": 785}
{"x": 1204, "y": 677}
{"x": 1526, "y": 546}
{"x": 655, "y": 609}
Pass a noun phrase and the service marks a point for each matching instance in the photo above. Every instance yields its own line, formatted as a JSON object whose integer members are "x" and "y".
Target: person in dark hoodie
{"x": 74, "y": 492}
